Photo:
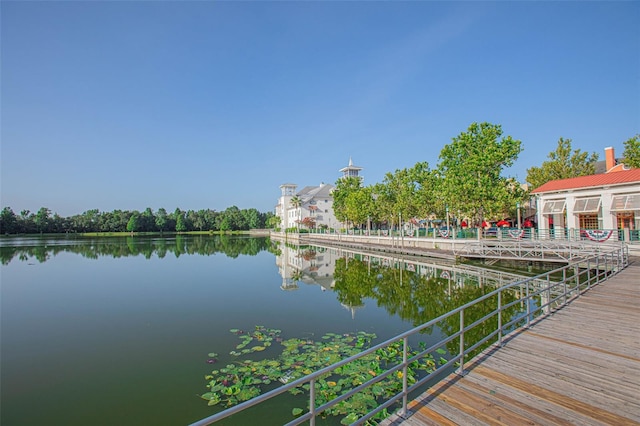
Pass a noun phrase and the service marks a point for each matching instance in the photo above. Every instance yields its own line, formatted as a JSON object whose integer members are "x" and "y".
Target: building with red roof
{"x": 605, "y": 201}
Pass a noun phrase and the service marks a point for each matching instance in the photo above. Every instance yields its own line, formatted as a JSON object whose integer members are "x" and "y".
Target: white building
{"x": 315, "y": 202}
{"x": 606, "y": 201}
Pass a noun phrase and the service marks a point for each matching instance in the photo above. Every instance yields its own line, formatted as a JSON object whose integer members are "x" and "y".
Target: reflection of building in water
{"x": 308, "y": 264}
{"x": 315, "y": 265}
{"x": 352, "y": 309}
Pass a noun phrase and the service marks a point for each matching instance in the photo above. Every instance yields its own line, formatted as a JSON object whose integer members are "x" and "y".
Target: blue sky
{"x": 128, "y": 105}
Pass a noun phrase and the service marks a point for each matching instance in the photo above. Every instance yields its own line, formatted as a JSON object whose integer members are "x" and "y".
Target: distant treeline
{"x": 43, "y": 221}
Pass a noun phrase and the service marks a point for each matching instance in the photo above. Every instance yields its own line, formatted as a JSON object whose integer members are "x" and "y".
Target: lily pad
{"x": 246, "y": 378}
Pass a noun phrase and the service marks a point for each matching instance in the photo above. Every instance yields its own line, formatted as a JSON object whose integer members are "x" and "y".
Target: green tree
{"x": 8, "y": 221}
{"x": 133, "y": 224}
{"x": 251, "y": 218}
{"x": 224, "y": 223}
{"x": 295, "y": 201}
{"x": 161, "y": 219}
{"x": 345, "y": 186}
{"x": 384, "y": 203}
{"x": 210, "y": 219}
{"x": 273, "y": 222}
{"x": 234, "y": 219}
{"x": 42, "y": 219}
{"x": 196, "y": 220}
{"x": 147, "y": 221}
{"x": 631, "y": 152}
{"x": 181, "y": 220}
{"x": 25, "y": 222}
{"x": 563, "y": 163}
{"x": 359, "y": 206}
{"x": 407, "y": 193}
{"x": 427, "y": 194}
{"x": 471, "y": 167}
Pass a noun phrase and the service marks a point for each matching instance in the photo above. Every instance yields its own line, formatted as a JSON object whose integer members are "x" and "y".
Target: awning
{"x": 551, "y": 207}
{"x": 625, "y": 202}
{"x": 587, "y": 205}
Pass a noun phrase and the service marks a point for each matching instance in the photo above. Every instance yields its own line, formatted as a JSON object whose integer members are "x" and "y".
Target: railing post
{"x": 528, "y": 305}
{"x": 547, "y": 309}
{"x": 564, "y": 286}
{"x": 312, "y": 402}
{"x": 500, "y": 317}
{"x": 405, "y": 385}
{"x": 461, "y": 368}
{"x": 619, "y": 256}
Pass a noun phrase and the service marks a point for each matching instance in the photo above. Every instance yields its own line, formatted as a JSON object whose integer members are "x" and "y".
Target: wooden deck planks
{"x": 579, "y": 366}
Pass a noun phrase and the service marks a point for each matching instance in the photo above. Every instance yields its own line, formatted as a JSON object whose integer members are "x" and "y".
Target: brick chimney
{"x": 609, "y": 158}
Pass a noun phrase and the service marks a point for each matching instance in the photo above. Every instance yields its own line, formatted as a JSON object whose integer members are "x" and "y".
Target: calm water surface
{"x": 116, "y": 331}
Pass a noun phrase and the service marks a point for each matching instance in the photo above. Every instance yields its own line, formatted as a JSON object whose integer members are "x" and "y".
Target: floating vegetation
{"x": 245, "y": 378}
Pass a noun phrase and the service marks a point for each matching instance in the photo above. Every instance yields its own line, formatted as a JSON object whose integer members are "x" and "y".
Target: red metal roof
{"x": 603, "y": 179}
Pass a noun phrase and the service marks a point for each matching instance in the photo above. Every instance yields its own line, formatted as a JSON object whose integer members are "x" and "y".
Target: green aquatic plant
{"x": 246, "y": 378}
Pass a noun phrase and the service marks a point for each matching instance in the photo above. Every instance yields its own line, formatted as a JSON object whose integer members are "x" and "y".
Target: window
{"x": 625, "y": 202}
{"x": 589, "y": 221}
{"x": 554, "y": 206}
{"x": 587, "y": 205}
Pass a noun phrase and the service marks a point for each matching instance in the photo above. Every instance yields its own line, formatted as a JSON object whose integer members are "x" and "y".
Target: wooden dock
{"x": 580, "y": 366}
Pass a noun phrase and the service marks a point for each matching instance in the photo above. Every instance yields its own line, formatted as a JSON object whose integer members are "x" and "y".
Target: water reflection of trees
{"x": 42, "y": 249}
{"x": 419, "y": 299}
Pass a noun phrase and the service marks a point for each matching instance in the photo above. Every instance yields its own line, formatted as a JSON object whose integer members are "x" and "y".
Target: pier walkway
{"x": 579, "y": 366}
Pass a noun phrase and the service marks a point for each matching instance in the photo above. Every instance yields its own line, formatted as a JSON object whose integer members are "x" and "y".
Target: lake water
{"x": 117, "y": 331}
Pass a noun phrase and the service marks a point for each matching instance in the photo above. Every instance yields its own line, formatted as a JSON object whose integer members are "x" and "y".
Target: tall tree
{"x": 147, "y": 221}
{"x": 344, "y": 187}
{"x": 42, "y": 219}
{"x": 8, "y": 221}
{"x": 471, "y": 167}
{"x": 273, "y": 222}
{"x": 631, "y": 152}
{"x": 295, "y": 201}
{"x": 428, "y": 184}
{"x": 408, "y": 192}
{"x": 251, "y": 218}
{"x": 133, "y": 224}
{"x": 563, "y": 163}
{"x": 161, "y": 219}
{"x": 359, "y": 206}
{"x": 196, "y": 220}
{"x": 180, "y": 219}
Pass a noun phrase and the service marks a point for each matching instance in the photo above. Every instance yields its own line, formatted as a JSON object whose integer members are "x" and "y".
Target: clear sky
{"x": 127, "y": 105}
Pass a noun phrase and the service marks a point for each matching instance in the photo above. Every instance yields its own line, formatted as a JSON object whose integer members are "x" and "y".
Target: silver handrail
{"x": 558, "y": 293}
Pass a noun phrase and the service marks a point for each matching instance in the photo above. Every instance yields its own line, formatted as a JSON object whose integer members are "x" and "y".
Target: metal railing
{"x": 534, "y": 298}
{"x": 561, "y": 234}
{"x": 534, "y": 250}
